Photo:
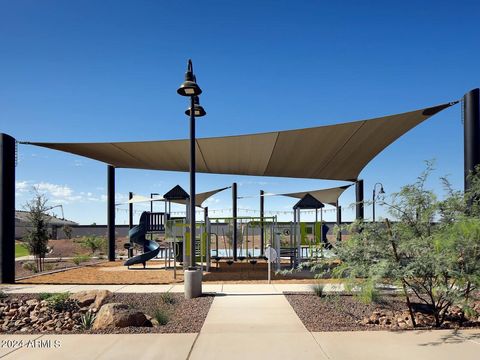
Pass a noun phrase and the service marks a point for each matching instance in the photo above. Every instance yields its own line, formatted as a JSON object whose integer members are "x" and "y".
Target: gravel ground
{"x": 338, "y": 313}
{"x": 50, "y": 265}
{"x": 185, "y": 316}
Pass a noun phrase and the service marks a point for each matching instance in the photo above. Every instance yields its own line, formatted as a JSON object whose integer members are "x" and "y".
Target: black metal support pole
{"x": 359, "y": 200}
{"x": 373, "y": 205}
{"x": 130, "y": 211}
{"x": 130, "y": 222}
{"x": 111, "y": 212}
{"x": 7, "y": 209}
{"x": 339, "y": 222}
{"x": 192, "y": 185}
{"x": 262, "y": 228}
{"x": 234, "y": 215}
{"x": 471, "y": 123}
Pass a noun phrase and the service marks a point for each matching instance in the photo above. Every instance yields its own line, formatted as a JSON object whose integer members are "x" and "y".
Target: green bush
{"x": 161, "y": 316}
{"x": 168, "y": 298}
{"x": 94, "y": 243}
{"x": 30, "y": 266}
{"x": 3, "y": 295}
{"x": 44, "y": 296}
{"x": 78, "y": 259}
{"x": 58, "y": 301}
{"x": 368, "y": 293}
{"x": 318, "y": 289}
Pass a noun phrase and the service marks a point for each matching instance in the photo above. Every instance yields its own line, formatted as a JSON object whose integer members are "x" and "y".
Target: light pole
{"x": 191, "y": 89}
{"x": 374, "y": 196}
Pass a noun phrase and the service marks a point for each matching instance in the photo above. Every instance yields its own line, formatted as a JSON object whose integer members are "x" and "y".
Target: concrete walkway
{"x": 254, "y": 326}
{"x": 245, "y": 321}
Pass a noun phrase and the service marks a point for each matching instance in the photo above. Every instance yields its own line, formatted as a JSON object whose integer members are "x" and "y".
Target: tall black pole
{"x": 234, "y": 215}
{"x": 373, "y": 204}
{"x": 192, "y": 185}
{"x": 111, "y": 212}
{"x": 130, "y": 211}
{"x": 471, "y": 123}
{"x": 359, "y": 200}
{"x": 262, "y": 228}
{"x": 7, "y": 209}
{"x": 339, "y": 222}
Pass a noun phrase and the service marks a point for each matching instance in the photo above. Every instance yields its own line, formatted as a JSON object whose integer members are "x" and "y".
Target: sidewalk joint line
{"x": 193, "y": 344}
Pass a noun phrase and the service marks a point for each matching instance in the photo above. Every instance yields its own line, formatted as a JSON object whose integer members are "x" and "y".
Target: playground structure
{"x": 334, "y": 152}
{"x": 229, "y": 239}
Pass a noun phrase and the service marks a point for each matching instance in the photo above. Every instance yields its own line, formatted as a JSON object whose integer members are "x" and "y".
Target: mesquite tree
{"x": 431, "y": 248}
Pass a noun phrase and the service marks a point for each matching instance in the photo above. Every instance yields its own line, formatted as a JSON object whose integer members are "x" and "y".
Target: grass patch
{"x": 161, "y": 316}
{"x": 21, "y": 250}
{"x": 168, "y": 298}
{"x": 78, "y": 259}
{"x": 318, "y": 289}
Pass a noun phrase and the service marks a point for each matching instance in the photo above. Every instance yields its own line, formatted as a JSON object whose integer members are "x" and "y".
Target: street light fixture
{"x": 190, "y": 88}
{"x": 374, "y": 197}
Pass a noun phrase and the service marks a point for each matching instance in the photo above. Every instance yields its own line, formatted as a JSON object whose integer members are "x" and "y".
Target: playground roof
{"x": 326, "y": 196}
{"x": 308, "y": 202}
{"x": 337, "y": 152}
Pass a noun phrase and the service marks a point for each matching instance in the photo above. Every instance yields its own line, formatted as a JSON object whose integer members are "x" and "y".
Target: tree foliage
{"x": 431, "y": 248}
{"x": 37, "y": 237}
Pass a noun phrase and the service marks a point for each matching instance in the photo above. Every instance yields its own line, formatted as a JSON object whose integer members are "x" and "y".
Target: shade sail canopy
{"x": 326, "y": 196}
{"x": 337, "y": 152}
{"x": 199, "y": 198}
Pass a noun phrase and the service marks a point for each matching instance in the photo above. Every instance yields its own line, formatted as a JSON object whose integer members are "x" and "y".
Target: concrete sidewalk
{"x": 245, "y": 321}
{"x": 254, "y": 326}
{"x": 207, "y": 287}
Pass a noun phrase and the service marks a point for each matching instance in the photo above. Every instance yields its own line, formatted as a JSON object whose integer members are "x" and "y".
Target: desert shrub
{"x": 78, "y": 259}
{"x": 168, "y": 298}
{"x": 58, "y": 301}
{"x": 44, "y": 296}
{"x": 67, "y": 230}
{"x": 432, "y": 249}
{"x": 3, "y": 295}
{"x": 30, "y": 266}
{"x": 94, "y": 243}
{"x": 87, "y": 320}
{"x": 368, "y": 293}
{"x": 318, "y": 289}
{"x": 161, "y": 316}
{"x": 48, "y": 267}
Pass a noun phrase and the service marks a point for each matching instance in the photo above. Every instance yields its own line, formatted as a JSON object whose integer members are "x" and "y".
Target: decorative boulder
{"x": 119, "y": 315}
{"x": 92, "y": 298}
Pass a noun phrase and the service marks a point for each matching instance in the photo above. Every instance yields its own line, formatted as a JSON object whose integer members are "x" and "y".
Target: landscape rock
{"x": 91, "y": 298}
{"x": 119, "y": 315}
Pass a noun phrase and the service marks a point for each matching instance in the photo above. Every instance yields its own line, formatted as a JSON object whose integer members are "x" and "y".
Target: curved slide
{"x": 137, "y": 235}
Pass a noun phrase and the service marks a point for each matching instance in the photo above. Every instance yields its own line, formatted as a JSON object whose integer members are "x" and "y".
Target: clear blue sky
{"x": 109, "y": 70}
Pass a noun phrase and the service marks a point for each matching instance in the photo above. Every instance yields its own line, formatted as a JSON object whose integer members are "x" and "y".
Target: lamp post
{"x": 191, "y": 89}
{"x": 374, "y": 196}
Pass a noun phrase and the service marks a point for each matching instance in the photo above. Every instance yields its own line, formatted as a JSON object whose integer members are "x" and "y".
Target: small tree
{"x": 67, "y": 230}
{"x": 37, "y": 236}
{"x": 94, "y": 243}
{"x": 431, "y": 249}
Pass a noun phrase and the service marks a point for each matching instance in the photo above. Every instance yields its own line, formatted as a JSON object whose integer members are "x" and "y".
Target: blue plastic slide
{"x": 137, "y": 235}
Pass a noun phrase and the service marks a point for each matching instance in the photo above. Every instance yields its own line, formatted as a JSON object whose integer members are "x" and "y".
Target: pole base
{"x": 193, "y": 283}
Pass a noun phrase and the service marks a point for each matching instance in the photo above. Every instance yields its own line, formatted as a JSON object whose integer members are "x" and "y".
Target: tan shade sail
{"x": 199, "y": 198}
{"x": 326, "y": 196}
{"x": 337, "y": 152}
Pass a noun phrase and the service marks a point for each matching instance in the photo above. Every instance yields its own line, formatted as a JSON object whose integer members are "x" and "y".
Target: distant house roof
{"x": 22, "y": 217}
